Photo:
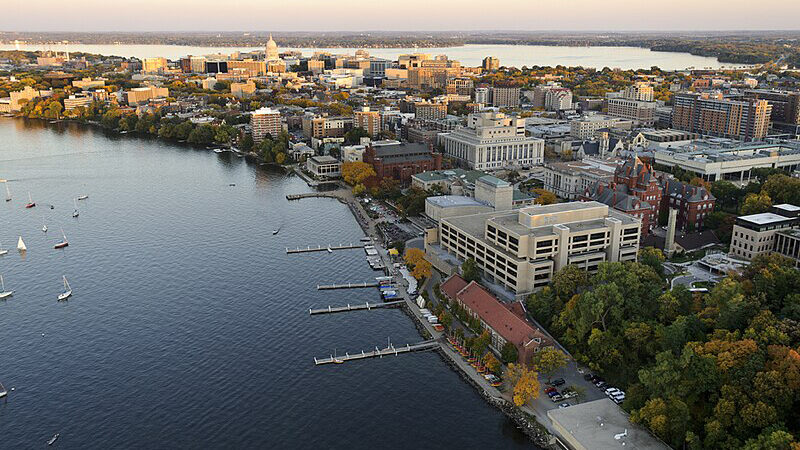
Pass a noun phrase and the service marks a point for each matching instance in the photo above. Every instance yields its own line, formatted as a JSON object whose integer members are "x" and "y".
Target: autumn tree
{"x": 413, "y": 255}
{"x": 356, "y": 172}
{"x": 526, "y": 383}
{"x": 755, "y": 203}
{"x": 544, "y": 197}
{"x": 492, "y": 363}
{"x": 548, "y": 360}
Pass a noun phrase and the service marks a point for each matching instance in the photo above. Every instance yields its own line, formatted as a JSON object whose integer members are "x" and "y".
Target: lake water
{"x": 469, "y": 55}
{"x": 188, "y": 327}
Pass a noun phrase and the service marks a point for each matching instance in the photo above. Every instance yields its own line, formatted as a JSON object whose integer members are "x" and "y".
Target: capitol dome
{"x": 272, "y": 49}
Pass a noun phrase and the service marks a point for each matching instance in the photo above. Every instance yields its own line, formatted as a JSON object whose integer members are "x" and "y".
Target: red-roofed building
{"x": 452, "y": 286}
{"x": 501, "y": 321}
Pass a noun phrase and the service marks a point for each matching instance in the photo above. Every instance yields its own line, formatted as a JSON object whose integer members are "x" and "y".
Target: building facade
{"x": 324, "y": 166}
{"x": 643, "y": 113}
{"x": 712, "y": 114}
{"x": 401, "y": 161}
{"x": 370, "y": 121}
{"x": 522, "y": 249}
{"x": 265, "y": 121}
{"x": 693, "y": 203}
{"x": 492, "y": 140}
{"x": 505, "y": 96}
{"x": 755, "y": 234}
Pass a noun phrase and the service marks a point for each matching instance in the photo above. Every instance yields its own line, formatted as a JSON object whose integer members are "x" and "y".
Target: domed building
{"x": 272, "y": 49}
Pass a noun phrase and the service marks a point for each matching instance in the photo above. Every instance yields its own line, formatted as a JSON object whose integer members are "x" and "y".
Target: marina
{"x": 391, "y": 350}
{"x": 366, "y": 284}
{"x": 367, "y": 306}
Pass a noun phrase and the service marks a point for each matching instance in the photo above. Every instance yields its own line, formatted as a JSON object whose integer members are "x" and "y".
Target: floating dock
{"x": 365, "y": 284}
{"x": 368, "y": 306}
{"x": 378, "y": 353}
{"x": 320, "y": 248}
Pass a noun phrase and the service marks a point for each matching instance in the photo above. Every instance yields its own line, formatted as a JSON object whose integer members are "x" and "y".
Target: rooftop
{"x": 451, "y": 201}
{"x": 602, "y": 424}
{"x": 325, "y": 159}
{"x": 787, "y": 207}
{"x": 764, "y": 218}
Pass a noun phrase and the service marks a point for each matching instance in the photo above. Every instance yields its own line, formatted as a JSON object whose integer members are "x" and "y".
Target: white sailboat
{"x": 21, "y": 245}
{"x": 3, "y": 292}
{"x": 44, "y": 226}
{"x": 67, "y": 290}
{"x": 83, "y": 197}
{"x": 64, "y": 242}
{"x": 75, "y": 213}
{"x": 3, "y": 252}
{"x": 8, "y": 193}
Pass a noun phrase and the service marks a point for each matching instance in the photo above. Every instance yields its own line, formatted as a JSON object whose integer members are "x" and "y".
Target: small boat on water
{"x": 53, "y": 439}
{"x": 3, "y": 391}
{"x": 3, "y": 252}
{"x": 64, "y": 242}
{"x": 3, "y": 292}
{"x": 30, "y": 203}
{"x": 21, "y": 245}
{"x": 75, "y": 213}
{"x": 67, "y": 290}
{"x": 329, "y": 250}
{"x": 83, "y": 197}
{"x": 274, "y": 232}
{"x": 44, "y": 226}
{"x": 8, "y": 193}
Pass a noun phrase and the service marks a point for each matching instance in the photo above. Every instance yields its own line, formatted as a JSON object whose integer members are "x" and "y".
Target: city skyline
{"x": 359, "y": 15}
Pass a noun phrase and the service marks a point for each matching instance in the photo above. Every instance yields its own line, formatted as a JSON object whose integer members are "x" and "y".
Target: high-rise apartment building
{"x": 370, "y": 121}
{"x": 640, "y": 91}
{"x": 154, "y": 65}
{"x": 460, "y": 86}
{"x": 265, "y": 121}
{"x": 785, "y": 104}
{"x": 505, "y": 96}
{"x": 490, "y": 64}
{"x": 642, "y": 112}
{"x": 493, "y": 140}
{"x": 482, "y": 95}
{"x": 712, "y": 114}
{"x": 430, "y": 110}
{"x": 522, "y": 249}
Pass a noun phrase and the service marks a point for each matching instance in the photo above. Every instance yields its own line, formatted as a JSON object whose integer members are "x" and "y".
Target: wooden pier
{"x": 378, "y": 353}
{"x": 368, "y": 306}
{"x": 315, "y": 195}
{"x": 320, "y": 248}
{"x": 323, "y": 287}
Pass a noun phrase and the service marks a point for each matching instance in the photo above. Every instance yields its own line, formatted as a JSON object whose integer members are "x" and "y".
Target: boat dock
{"x": 368, "y": 306}
{"x": 320, "y": 248}
{"x": 323, "y": 287}
{"x": 378, "y": 353}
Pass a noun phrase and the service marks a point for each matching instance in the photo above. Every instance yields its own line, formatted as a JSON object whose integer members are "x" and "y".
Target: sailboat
{"x": 64, "y": 242}
{"x": 3, "y": 252}
{"x": 83, "y": 197}
{"x": 8, "y": 193}
{"x": 44, "y": 226}
{"x": 21, "y": 245}
{"x": 75, "y": 213}
{"x": 67, "y": 290}
{"x": 3, "y": 292}
{"x": 31, "y": 203}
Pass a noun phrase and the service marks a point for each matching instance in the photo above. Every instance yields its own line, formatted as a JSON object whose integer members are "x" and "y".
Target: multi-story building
{"x": 495, "y": 317}
{"x": 570, "y": 179}
{"x": 430, "y": 110}
{"x": 492, "y": 140}
{"x": 641, "y": 112}
{"x": 640, "y": 91}
{"x": 433, "y": 73}
{"x": 694, "y": 203}
{"x": 324, "y": 166}
{"x": 551, "y": 97}
{"x": 78, "y": 100}
{"x": 460, "y": 86}
{"x": 243, "y": 90}
{"x": 370, "y": 121}
{"x": 490, "y": 64}
{"x": 249, "y": 67}
{"x": 757, "y": 234}
{"x": 88, "y": 83}
{"x": 378, "y": 66}
{"x": 635, "y": 191}
{"x": 19, "y": 98}
{"x": 587, "y": 126}
{"x": 324, "y": 126}
{"x": 733, "y": 162}
{"x": 712, "y": 114}
{"x": 482, "y": 95}
{"x": 154, "y": 65}
{"x": 522, "y": 249}
{"x": 505, "y": 96}
{"x": 785, "y": 104}
{"x": 265, "y": 121}
{"x": 142, "y": 95}
{"x": 316, "y": 66}
{"x": 401, "y": 161}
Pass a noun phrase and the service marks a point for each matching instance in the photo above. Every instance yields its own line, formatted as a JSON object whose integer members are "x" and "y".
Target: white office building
{"x": 492, "y": 140}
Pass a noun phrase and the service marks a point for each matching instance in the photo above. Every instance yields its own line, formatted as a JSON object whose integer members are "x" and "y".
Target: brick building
{"x": 402, "y": 161}
{"x": 694, "y": 203}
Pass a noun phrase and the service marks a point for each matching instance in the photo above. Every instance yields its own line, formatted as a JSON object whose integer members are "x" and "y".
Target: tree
{"x": 421, "y": 270}
{"x": 354, "y": 135}
{"x": 356, "y": 172}
{"x": 492, "y": 363}
{"x": 527, "y": 386}
{"x": 756, "y": 203}
{"x": 246, "y": 144}
{"x": 413, "y": 256}
{"x": 470, "y": 270}
{"x": 509, "y": 354}
{"x": 544, "y": 197}
{"x": 652, "y": 257}
{"x": 548, "y": 360}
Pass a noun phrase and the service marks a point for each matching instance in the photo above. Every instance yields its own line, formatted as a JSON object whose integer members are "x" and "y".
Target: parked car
{"x": 589, "y": 377}
{"x": 570, "y": 394}
{"x": 550, "y": 389}
{"x": 552, "y": 394}
{"x": 618, "y": 400}
{"x": 563, "y": 405}
{"x": 556, "y": 398}
{"x": 612, "y": 390}
{"x": 557, "y": 382}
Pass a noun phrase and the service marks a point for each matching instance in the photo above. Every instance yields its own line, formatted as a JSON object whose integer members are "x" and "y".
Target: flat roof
{"x": 601, "y": 424}
{"x": 764, "y": 218}
{"x": 325, "y": 159}
{"x": 787, "y": 207}
{"x": 450, "y": 201}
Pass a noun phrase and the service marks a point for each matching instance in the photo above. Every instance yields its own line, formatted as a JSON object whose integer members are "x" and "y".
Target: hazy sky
{"x": 334, "y": 15}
